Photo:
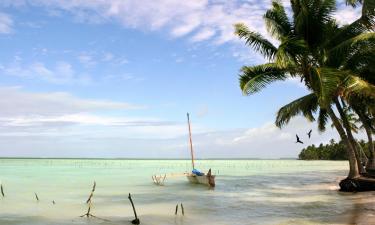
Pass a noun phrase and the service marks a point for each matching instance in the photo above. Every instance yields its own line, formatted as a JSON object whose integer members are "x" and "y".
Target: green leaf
{"x": 289, "y": 51}
{"x": 255, "y": 40}
{"x": 322, "y": 120}
{"x": 277, "y": 21}
{"x": 254, "y": 78}
{"x": 326, "y": 83}
{"x": 354, "y": 85}
{"x": 307, "y": 106}
{"x": 345, "y": 47}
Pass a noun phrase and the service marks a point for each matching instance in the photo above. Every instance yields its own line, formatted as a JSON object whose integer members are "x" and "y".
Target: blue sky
{"x": 116, "y": 78}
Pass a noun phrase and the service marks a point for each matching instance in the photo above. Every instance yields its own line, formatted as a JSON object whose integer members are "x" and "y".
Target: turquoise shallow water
{"x": 247, "y": 192}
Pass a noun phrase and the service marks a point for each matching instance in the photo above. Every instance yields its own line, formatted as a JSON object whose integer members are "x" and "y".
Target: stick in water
{"x": 182, "y": 209}
{"x": 2, "y": 190}
{"x": 92, "y": 193}
{"x": 88, "y": 212}
{"x": 89, "y": 202}
{"x": 136, "y": 220}
{"x": 36, "y": 196}
{"x": 175, "y": 212}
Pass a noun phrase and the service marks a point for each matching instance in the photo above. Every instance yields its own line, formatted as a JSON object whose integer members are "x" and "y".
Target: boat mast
{"x": 191, "y": 142}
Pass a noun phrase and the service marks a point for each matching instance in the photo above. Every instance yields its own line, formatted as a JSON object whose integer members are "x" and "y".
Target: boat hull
{"x": 205, "y": 180}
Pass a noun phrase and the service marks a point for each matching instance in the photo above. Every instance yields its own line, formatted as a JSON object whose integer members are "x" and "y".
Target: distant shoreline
{"x": 144, "y": 158}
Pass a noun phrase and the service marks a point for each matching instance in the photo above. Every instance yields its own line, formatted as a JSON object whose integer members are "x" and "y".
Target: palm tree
{"x": 360, "y": 107}
{"x": 308, "y": 48}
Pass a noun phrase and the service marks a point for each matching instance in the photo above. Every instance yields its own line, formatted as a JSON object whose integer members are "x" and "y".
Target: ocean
{"x": 246, "y": 192}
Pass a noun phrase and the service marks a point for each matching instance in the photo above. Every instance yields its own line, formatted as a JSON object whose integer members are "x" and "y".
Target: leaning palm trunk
{"x": 370, "y": 166}
{"x": 350, "y": 137}
{"x": 353, "y": 166}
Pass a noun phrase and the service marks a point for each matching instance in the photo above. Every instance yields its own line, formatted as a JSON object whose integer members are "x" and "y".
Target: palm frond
{"x": 353, "y": 3}
{"x": 345, "y": 47}
{"x": 322, "y": 120}
{"x": 255, "y": 40}
{"x": 326, "y": 83}
{"x": 330, "y": 82}
{"x": 277, "y": 21}
{"x": 289, "y": 50}
{"x": 361, "y": 61}
{"x": 368, "y": 8}
{"x": 254, "y": 78}
{"x": 346, "y": 32}
{"x": 311, "y": 19}
{"x": 354, "y": 85}
{"x": 307, "y": 106}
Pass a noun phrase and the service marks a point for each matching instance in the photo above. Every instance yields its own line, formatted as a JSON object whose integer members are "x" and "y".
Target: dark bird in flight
{"x": 298, "y": 140}
{"x": 309, "y": 134}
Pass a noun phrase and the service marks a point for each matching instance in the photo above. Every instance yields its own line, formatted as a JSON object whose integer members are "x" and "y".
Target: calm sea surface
{"x": 247, "y": 192}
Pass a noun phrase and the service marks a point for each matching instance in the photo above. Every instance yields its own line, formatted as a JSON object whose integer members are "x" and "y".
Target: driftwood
{"x": 88, "y": 214}
{"x": 92, "y": 193}
{"x": 182, "y": 210}
{"x": 2, "y": 190}
{"x": 136, "y": 220}
{"x": 89, "y": 202}
{"x": 36, "y": 196}
{"x": 159, "y": 180}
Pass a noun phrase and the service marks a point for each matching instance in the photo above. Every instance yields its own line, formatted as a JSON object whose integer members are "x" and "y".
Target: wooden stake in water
{"x": 89, "y": 202}
{"x": 136, "y": 220}
{"x": 36, "y": 196}
{"x": 182, "y": 210}
{"x": 2, "y": 190}
{"x": 175, "y": 212}
{"x": 92, "y": 193}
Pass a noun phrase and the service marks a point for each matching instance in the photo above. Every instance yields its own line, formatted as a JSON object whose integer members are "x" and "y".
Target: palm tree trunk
{"x": 353, "y": 166}
{"x": 371, "y": 162}
{"x": 350, "y": 136}
{"x": 370, "y": 166}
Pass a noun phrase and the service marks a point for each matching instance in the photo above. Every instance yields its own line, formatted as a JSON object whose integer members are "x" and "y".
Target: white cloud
{"x": 19, "y": 103}
{"x": 265, "y": 141}
{"x": 200, "y": 19}
{"x": 86, "y": 59}
{"x": 190, "y": 24}
{"x": 47, "y": 114}
{"x": 197, "y": 21}
{"x": 345, "y": 15}
{"x": 78, "y": 119}
{"x": 6, "y": 23}
{"x": 61, "y": 73}
{"x": 33, "y": 124}
{"x": 179, "y": 18}
{"x": 203, "y": 34}
{"x": 297, "y": 82}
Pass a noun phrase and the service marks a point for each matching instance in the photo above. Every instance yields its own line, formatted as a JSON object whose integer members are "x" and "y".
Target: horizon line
{"x": 140, "y": 158}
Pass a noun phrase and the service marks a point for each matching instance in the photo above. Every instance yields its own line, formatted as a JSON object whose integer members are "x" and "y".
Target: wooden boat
{"x": 206, "y": 179}
{"x": 198, "y": 178}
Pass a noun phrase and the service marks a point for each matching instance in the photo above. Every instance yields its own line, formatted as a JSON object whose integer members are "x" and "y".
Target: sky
{"x": 115, "y": 78}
